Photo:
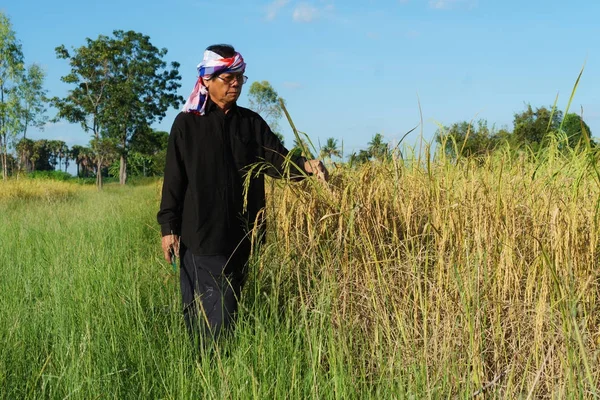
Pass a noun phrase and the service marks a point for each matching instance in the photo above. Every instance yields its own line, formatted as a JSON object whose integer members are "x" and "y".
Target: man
{"x": 212, "y": 144}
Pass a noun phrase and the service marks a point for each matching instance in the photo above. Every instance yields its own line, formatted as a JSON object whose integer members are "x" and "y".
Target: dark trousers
{"x": 210, "y": 290}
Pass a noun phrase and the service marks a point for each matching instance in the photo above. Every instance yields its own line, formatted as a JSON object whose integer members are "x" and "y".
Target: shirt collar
{"x": 212, "y": 106}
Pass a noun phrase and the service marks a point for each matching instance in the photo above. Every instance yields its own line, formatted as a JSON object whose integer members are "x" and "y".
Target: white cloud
{"x": 439, "y": 4}
{"x": 450, "y": 4}
{"x": 292, "y": 85}
{"x": 50, "y": 125}
{"x": 274, "y": 8}
{"x": 305, "y": 12}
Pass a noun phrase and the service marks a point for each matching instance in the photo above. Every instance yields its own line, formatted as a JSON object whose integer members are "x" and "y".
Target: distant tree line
{"x": 120, "y": 85}
{"x": 147, "y": 157}
{"x": 22, "y": 96}
{"x": 532, "y": 128}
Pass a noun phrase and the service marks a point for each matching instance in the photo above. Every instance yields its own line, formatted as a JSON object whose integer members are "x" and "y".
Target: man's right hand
{"x": 316, "y": 167}
{"x": 170, "y": 242}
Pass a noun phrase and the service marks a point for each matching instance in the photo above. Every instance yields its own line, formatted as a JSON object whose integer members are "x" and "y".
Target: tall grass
{"x": 453, "y": 279}
{"x": 36, "y": 189}
{"x": 470, "y": 272}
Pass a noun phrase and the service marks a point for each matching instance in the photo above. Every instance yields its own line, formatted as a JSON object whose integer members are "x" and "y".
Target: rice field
{"x": 400, "y": 279}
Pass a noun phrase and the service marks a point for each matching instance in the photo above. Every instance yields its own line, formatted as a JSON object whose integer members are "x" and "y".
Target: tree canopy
{"x": 11, "y": 75}
{"x": 531, "y": 127}
{"x": 576, "y": 130}
{"x": 121, "y": 86}
{"x": 33, "y": 96}
{"x": 378, "y": 149}
{"x": 330, "y": 149}
{"x": 469, "y": 139}
{"x": 22, "y": 95}
{"x": 264, "y": 100}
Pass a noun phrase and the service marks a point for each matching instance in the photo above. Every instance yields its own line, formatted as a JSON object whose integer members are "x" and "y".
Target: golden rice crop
{"x": 484, "y": 270}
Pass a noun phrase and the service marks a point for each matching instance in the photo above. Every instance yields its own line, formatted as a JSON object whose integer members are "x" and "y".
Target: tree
{"x": 302, "y": 148}
{"x": 105, "y": 151}
{"x": 150, "y": 142}
{"x": 11, "y": 72}
{"x": 58, "y": 150}
{"x": 532, "y": 127}
{"x": 67, "y": 155}
{"x": 122, "y": 86}
{"x": 363, "y": 156}
{"x": 62, "y": 153}
{"x": 468, "y": 139}
{"x": 24, "y": 153}
{"x": 142, "y": 92}
{"x": 83, "y": 158}
{"x": 149, "y": 153}
{"x": 41, "y": 156}
{"x": 330, "y": 149}
{"x": 264, "y": 100}
{"x": 74, "y": 155}
{"x": 90, "y": 73}
{"x": 33, "y": 97}
{"x": 11, "y": 164}
{"x": 378, "y": 149}
{"x": 573, "y": 126}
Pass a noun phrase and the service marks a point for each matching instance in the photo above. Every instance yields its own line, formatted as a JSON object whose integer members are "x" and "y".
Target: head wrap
{"x": 211, "y": 63}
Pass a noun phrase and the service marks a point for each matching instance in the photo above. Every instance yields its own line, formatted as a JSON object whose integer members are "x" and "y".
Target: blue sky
{"x": 349, "y": 69}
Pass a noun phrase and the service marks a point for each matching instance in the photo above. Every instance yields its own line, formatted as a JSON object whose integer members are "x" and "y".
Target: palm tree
{"x": 330, "y": 149}
{"x": 41, "y": 155}
{"x": 361, "y": 157}
{"x": 86, "y": 160}
{"x": 377, "y": 147}
{"x": 62, "y": 152}
{"x": 67, "y": 157}
{"x": 24, "y": 153}
{"x": 83, "y": 159}
{"x": 303, "y": 148}
{"x": 74, "y": 155}
{"x": 55, "y": 152}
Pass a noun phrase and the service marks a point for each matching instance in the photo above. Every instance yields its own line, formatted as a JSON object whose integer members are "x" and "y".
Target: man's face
{"x": 225, "y": 89}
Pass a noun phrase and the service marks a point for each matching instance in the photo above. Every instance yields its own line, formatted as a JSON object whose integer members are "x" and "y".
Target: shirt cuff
{"x": 170, "y": 228}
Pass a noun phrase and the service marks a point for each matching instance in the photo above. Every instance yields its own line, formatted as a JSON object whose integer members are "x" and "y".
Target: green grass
{"x": 89, "y": 310}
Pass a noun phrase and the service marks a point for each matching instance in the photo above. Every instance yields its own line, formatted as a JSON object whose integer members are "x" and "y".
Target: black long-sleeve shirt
{"x": 207, "y": 160}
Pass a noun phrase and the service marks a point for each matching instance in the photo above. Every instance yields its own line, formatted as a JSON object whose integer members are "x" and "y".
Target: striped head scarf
{"x": 211, "y": 63}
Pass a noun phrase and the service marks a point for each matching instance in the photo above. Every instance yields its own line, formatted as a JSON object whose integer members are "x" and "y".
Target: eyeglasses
{"x": 230, "y": 78}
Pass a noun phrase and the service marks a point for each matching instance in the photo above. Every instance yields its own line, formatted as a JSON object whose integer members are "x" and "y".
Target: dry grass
{"x": 37, "y": 189}
{"x": 477, "y": 271}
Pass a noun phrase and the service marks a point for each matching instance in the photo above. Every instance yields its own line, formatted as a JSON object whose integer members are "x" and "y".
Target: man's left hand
{"x": 316, "y": 167}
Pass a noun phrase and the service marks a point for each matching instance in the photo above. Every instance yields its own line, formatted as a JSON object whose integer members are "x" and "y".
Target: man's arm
{"x": 173, "y": 191}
